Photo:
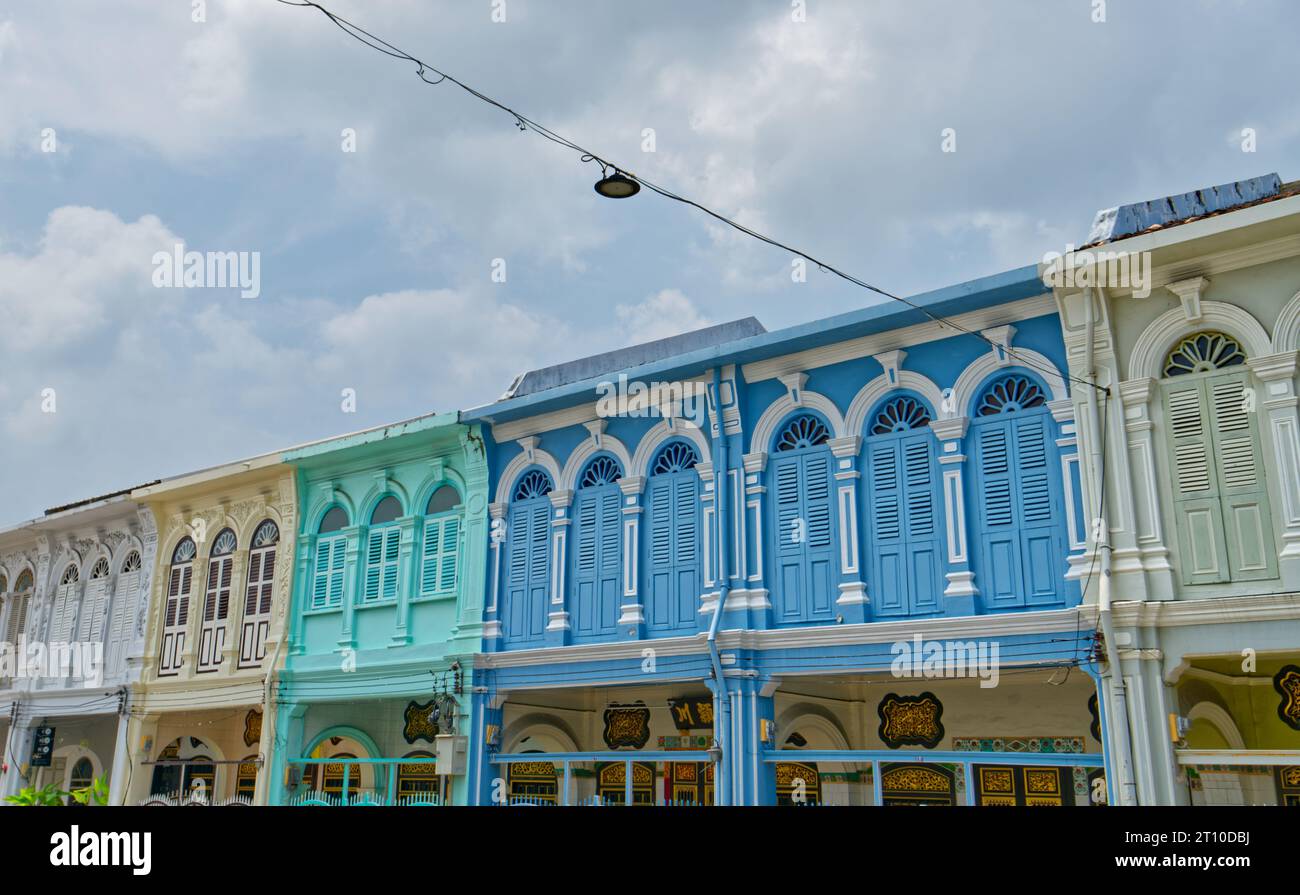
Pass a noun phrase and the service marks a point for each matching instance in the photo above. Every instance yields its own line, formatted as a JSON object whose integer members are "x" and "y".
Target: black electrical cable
{"x": 525, "y": 123}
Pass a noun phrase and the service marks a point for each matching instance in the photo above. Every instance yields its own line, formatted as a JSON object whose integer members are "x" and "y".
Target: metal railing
{"x": 378, "y": 797}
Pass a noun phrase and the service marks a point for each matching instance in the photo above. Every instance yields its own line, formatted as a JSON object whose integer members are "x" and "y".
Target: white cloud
{"x": 666, "y": 313}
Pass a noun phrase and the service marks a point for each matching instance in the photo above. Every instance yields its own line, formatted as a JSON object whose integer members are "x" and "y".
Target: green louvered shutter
{"x": 1198, "y": 512}
{"x": 1247, "y": 521}
{"x": 439, "y": 554}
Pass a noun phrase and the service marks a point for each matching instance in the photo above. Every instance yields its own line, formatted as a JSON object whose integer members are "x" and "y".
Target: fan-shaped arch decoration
{"x": 534, "y": 484}
{"x": 132, "y": 562}
{"x": 601, "y": 471}
{"x": 225, "y": 543}
{"x": 801, "y": 432}
{"x": 267, "y": 534}
{"x": 70, "y": 575}
{"x": 900, "y": 415}
{"x": 100, "y": 569}
{"x": 1204, "y": 352}
{"x": 677, "y": 456}
{"x": 24, "y": 581}
{"x": 184, "y": 551}
{"x": 1009, "y": 395}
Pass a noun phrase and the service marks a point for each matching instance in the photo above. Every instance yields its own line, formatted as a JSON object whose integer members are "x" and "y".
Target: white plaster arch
{"x": 376, "y": 493}
{"x": 855, "y": 421}
{"x": 129, "y": 543}
{"x": 541, "y": 731}
{"x": 573, "y": 467}
{"x": 984, "y": 366}
{"x": 72, "y": 755}
{"x": 431, "y": 483}
{"x": 524, "y": 459}
{"x": 321, "y": 504}
{"x": 1219, "y": 718}
{"x": 1286, "y": 331}
{"x": 210, "y": 749}
{"x": 661, "y": 432}
{"x": 1160, "y": 335}
{"x": 810, "y": 718}
{"x": 782, "y": 407}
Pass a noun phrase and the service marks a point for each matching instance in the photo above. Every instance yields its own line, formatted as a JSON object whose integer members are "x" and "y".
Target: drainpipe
{"x": 723, "y": 714}
{"x": 1119, "y": 717}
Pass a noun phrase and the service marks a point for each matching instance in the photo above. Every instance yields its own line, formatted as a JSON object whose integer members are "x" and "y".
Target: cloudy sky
{"x": 377, "y": 265}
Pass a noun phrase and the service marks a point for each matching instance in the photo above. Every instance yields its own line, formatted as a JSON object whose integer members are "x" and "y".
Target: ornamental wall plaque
{"x": 418, "y": 726}
{"x": 1287, "y": 684}
{"x": 627, "y": 726}
{"x": 911, "y": 720}
{"x": 252, "y": 727}
{"x": 691, "y": 713}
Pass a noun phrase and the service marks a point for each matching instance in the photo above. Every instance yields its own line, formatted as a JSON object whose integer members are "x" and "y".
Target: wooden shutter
{"x": 906, "y": 563}
{"x": 1195, "y": 484}
{"x": 528, "y": 589}
{"x": 805, "y": 533}
{"x": 121, "y": 630}
{"x": 382, "y": 563}
{"x": 176, "y": 617}
{"x": 440, "y": 554}
{"x": 597, "y": 560}
{"x": 257, "y": 606}
{"x": 16, "y": 624}
{"x": 1220, "y": 498}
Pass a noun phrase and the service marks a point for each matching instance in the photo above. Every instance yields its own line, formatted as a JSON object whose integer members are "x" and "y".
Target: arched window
{"x": 16, "y": 621}
{"x": 331, "y": 552}
{"x": 597, "y": 558}
{"x": 246, "y": 778}
{"x": 905, "y": 575}
{"x": 216, "y": 602}
{"x": 805, "y": 524}
{"x": 258, "y": 594}
{"x": 528, "y": 560}
{"x": 90, "y": 627}
{"x": 672, "y": 539}
{"x": 1018, "y": 495}
{"x": 440, "y": 552}
{"x": 1225, "y": 526}
{"x": 384, "y": 542}
{"x": 65, "y": 605}
{"x": 126, "y": 603}
{"x": 83, "y": 774}
{"x": 176, "y": 613}
{"x": 417, "y": 782}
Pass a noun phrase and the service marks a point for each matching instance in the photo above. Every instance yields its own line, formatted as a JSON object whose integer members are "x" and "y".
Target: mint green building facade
{"x": 386, "y": 617}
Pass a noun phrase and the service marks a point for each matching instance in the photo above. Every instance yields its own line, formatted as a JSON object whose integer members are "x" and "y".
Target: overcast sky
{"x": 376, "y": 265}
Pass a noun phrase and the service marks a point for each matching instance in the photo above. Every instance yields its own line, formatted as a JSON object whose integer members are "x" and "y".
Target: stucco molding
{"x": 875, "y": 391}
{"x": 782, "y": 407}
{"x": 1162, "y": 333}
{"x": 967, "y": 386}
{"x": 596, "y": 443}
{"x": 661, "y": 432}
{"x": 1286, "y": 332}
{"x": 532, "y": 455}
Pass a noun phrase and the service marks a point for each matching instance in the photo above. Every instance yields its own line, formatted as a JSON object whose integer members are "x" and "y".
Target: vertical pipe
{"x": 1123, "y": 744}
{"x": 723, "y": 713}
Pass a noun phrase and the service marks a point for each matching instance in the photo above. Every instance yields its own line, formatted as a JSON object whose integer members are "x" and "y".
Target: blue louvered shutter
{"x": 1023, "y": 547}
{"x": 529, "y": 567}
{"x": 921, "y": 501}
{"x": 889, "y": 578}
{"x": 660, "y": 553}
{"x": 1000, "y": 581}
{"x": 805, "y": 531}
{"x": 686, "y": 549}
{"x": 1042, "y": 542}
{"x": 597, "y": 560}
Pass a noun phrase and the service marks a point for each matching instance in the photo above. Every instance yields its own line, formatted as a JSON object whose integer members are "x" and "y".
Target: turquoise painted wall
{"x": 389, "y": 596}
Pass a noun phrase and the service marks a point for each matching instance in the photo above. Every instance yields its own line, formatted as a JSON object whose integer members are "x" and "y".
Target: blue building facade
{"x": 888, "y": 511}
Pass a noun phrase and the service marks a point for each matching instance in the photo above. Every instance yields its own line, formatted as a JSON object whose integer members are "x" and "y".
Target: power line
{"x": 525, "y": 123}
